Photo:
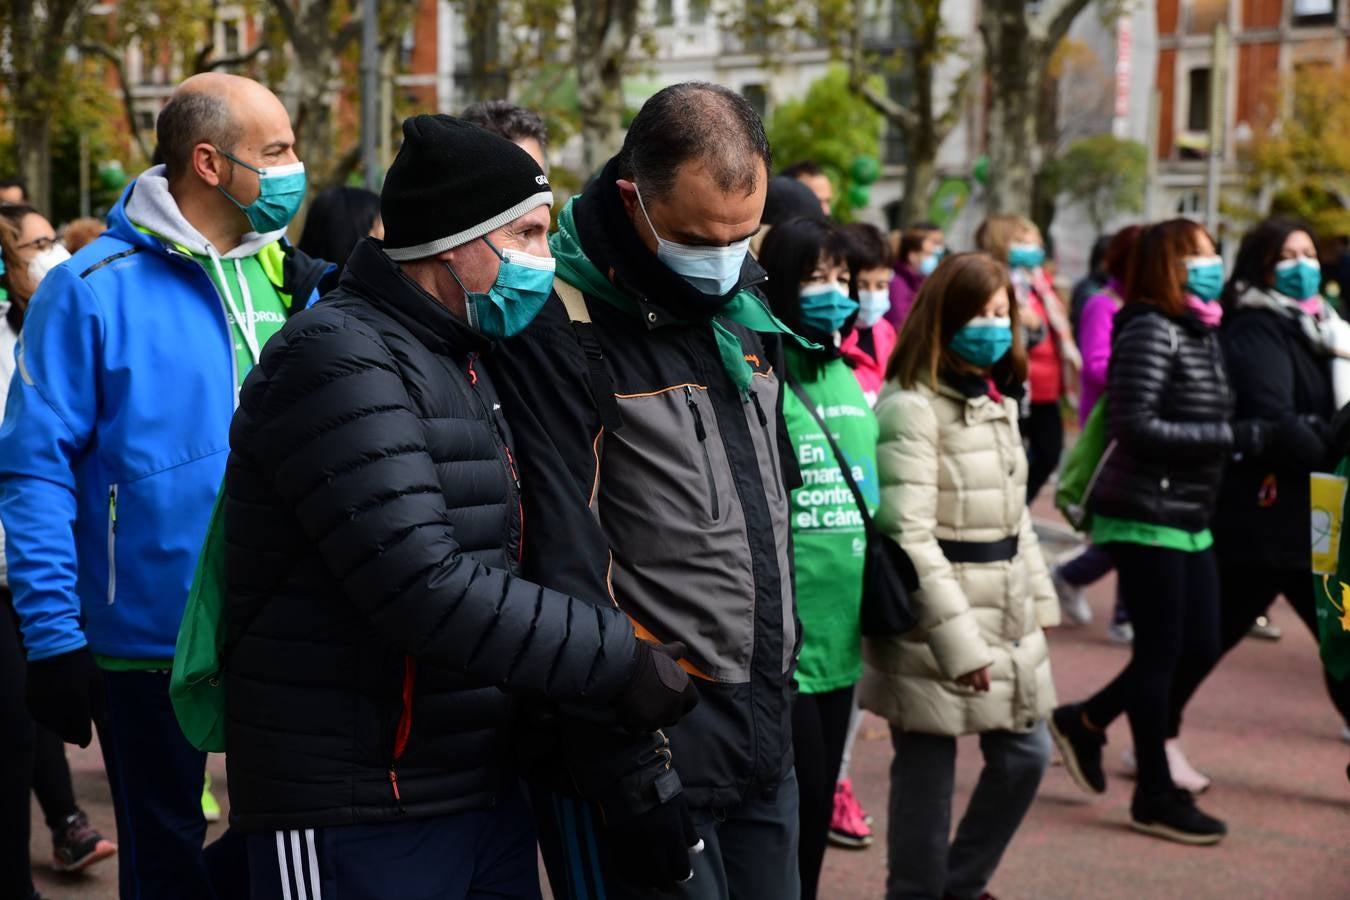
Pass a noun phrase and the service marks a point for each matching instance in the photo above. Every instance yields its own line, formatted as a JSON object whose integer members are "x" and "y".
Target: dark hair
{"x": 506, "y": 119}
{"x": 1259, "y": 252}
{"x": 337, "y": 219}
{"x": 18, "y": 183}
{"x": 695, "y": 120}
{"x": 790, "y": 253}
{"x": 802, "y": 167}
{"x": 188, "y": 119}
{"x": 1097, "y": 256}
{"x": 1157, "y": 271}
{"x": 1116, "y": 259}
{"x": 788, "y": 198}
{"x": 912, "y": 238}
{"x": 15, "y": 279}
{"x": 953, "y": 295}
{"x": 867, "y": 249}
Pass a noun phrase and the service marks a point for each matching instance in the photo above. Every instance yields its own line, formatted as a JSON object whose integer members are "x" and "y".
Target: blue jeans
{"x": 750, "y": 850}
{"x": 156, "y": 779}
{"x": 479, "y": 854}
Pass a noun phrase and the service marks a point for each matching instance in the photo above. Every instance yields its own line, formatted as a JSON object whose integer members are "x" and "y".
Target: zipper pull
{"x": 473, "y": 376}
{"x": 763, "y": 419}
{"x": 112, "y": 508}
{"x": 699, "y": 430}
{"x": 393, "y": 782}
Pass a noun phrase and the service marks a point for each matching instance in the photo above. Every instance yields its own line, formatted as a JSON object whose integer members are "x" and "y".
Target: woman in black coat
{"x": 1169, "y": 430}
{"x": 1278, "y": 344}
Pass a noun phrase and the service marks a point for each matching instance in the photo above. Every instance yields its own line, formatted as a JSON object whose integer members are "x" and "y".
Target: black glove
{"x": 1249, "y": 437}
{"x": 653, "y": 850}
{"x": 658, "y": 693}
{"x": 64, "y": 693}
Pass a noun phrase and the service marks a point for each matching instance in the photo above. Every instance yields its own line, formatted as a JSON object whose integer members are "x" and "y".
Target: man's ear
{"x": 628, "y": 194}
{"x": 210, "y": 166}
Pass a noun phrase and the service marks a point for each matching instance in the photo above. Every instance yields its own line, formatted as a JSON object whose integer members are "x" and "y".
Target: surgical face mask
{"x": 983, "y": 341}
{"x": 711, "y": 270}
{"x": 1299, "y": 278}
{"x": 826, "y": 307}
{"x": 1026, "y": 256}
{"x": 281, "y": 190}
{"x": 872, "y": 305}
{"x": 928, "y": 265}
{"x": 44, "y": 262}
{"x": 523, "y": 285}
{"x": 1204, "y": 277}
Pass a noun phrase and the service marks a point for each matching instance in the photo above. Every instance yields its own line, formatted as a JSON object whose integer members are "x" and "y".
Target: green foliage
{"x": 1299, "y": 162}
{"x": 831, "y": 125}
{"x": 1104, "y": 173}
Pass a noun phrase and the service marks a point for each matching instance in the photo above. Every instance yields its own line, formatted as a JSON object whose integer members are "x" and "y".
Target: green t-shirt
{"x": 829, "y": 541}
{"x": 1106, "y": 530}
{"x": 269, "y": 314}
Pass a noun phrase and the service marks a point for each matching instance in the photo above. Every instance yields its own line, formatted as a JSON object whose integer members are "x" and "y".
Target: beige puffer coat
{"x": 952, "y": 467}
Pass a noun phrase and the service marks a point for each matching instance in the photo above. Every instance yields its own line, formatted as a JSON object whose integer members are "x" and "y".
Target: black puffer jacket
{"x": 1168, "y": 418}
{"x": 1281, "y": 379}
{"x": 373, "y": 525}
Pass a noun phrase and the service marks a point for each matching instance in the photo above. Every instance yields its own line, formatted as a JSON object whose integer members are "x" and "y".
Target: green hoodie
{"x": 828, "y": 539}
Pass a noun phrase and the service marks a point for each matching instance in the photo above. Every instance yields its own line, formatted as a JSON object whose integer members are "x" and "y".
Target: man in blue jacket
{"x": 114, "y": 444}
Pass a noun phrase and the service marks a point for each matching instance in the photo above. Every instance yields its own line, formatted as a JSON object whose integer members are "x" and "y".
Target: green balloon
{"x": 865, "y": 170}
{"x": 981, "y": 169}
{"x": 859, "y": 195}
{"x": 113, "y": 176}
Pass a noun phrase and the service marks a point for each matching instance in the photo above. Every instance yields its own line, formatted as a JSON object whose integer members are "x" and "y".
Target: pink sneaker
{"x": 848, "y": 827}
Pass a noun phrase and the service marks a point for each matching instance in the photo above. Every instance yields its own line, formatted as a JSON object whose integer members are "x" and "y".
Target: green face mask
{"x": 281, "y": 190}
{"x": 524, "y": 284}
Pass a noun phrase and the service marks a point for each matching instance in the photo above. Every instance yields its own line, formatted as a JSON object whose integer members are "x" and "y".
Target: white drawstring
{"x": 248, "y": 326}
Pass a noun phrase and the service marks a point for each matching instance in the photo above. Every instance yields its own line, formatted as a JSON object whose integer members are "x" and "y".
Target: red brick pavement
{"x": 1262, "y": 728}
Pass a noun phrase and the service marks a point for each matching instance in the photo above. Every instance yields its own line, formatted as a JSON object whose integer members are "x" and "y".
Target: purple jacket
{"x": 904, "y": 286}
{"x": 1094, "y": 342}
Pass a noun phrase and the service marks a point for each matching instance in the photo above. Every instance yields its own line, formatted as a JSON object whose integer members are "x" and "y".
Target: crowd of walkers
{"x": 475, "y": 530}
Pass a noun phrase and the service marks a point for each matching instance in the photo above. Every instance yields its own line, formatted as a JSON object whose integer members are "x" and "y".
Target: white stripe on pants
{"x": 294, "y": 864}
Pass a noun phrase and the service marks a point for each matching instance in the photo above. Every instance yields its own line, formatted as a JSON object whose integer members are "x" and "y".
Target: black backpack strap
{"x": 597, "y": 373}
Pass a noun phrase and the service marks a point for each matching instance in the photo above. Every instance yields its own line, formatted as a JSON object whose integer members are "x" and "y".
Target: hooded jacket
{"x": 952, "y": 468}
{"x": 373, "y": 529}
{"x": 680, "y": 515}
{"x": 116, "y": 429}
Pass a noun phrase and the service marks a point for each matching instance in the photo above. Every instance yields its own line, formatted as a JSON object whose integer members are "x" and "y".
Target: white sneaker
{"x": 1072, "y": 601}
{"x": 1184, "y": 774}
{"x": 1120, "y": 633}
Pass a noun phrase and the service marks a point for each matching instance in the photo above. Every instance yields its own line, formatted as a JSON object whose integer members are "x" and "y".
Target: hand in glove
{"x": 653, "y": 850}
{"x": 658, "y": 693}
{"x": 64, "y": 693}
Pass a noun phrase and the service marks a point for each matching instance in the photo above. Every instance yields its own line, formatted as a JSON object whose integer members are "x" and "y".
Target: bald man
{"x": 114, "y": 444}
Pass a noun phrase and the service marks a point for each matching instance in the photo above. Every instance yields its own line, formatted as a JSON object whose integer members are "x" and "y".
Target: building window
{"x": 1314, "y": 12}
{"x": 758, "y": 97}
{"x": 145, "y": 121}
{"x": 1205, "y": 14}
{"x": 1197, "y": 112}
{"x": 698, "y": 12}
{"x": 231, "y": 37}
{"x": 665, "y": 12}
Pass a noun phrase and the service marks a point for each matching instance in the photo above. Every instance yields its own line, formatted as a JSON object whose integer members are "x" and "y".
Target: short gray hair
{"x": 189, "y": 119}
{"x": 695, "y": 120}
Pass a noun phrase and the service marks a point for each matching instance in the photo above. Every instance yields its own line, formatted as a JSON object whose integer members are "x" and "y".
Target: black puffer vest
{"x": 1168, "y": 411}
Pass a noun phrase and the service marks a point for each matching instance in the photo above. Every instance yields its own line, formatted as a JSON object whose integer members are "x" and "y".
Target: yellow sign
{"x": 1328, "y": 508}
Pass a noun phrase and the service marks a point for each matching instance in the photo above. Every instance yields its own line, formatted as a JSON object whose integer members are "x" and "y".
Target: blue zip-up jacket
{"x": 114, "y": 443}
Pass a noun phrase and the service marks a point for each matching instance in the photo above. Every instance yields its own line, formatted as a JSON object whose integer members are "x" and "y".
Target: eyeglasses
{"x": 42, "y": 244}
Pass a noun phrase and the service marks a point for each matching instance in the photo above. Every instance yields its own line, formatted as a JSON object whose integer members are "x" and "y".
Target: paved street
{"x": 1262, "y": 728}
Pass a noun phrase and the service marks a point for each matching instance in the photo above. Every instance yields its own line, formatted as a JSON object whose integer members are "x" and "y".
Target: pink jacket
{"x": 868, "y": 369}
{"x": 904, "y": 287}
{"x": 1094, "y": 341}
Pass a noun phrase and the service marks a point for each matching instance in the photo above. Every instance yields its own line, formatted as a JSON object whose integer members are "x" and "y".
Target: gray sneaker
{"x": 1072, "y": 602}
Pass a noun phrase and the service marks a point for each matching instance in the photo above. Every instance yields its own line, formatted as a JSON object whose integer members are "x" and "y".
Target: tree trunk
{"x": 33, "y": 136}
{"x": 1016, "y": 66}
{"x": 604, "y": 31}
{"x": 920, "y": 173}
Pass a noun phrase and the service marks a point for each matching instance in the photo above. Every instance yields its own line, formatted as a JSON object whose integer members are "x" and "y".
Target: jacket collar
{"x": 972, "y": 391}
{"x": 382, "y": 282}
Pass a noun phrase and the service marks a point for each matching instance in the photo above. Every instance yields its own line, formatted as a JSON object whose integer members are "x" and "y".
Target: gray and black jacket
{"x": 681, "y": 514}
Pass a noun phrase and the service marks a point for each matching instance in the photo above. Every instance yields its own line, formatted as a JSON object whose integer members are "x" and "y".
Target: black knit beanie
{"x": 453, "y": 182}
{"x": 788, "y": 198}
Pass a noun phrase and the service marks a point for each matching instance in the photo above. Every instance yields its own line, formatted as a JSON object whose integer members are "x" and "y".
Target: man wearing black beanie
{"x": 656, "y": 466}
{"x": 380, "y": 630}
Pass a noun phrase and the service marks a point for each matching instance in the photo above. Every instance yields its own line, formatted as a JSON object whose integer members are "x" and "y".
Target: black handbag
{"x": 889, "y": 579}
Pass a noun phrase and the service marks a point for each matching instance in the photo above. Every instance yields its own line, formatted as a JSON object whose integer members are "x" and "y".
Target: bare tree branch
{"x": 289, "y": 23}
{"x": 232, "y": 62}
{"x": 1054, "y": 20}
{"x": 128, "y": 103}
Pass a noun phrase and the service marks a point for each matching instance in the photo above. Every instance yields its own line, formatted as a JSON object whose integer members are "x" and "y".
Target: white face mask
{"x": 872, "y": 305}
{"x": 45, "y": 261}
{"x": 711, "y": 270}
